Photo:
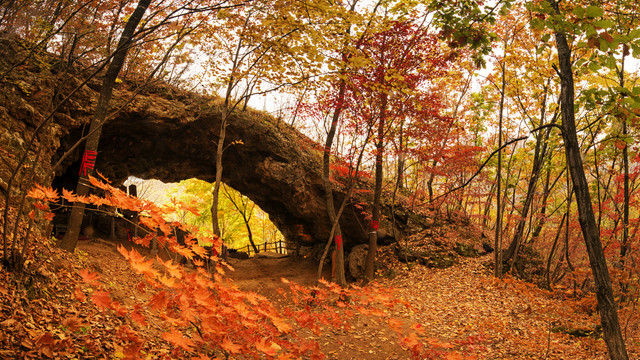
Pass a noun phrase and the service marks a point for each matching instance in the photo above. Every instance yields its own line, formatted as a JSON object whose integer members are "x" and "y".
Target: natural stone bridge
{"x": 170, "y": 135}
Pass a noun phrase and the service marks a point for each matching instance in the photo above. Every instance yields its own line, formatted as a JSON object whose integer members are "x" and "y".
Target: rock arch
{"x": 169, "y": 135}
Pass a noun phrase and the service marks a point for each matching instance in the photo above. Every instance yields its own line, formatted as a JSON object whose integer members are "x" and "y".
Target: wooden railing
{"x": 279, "y": 247}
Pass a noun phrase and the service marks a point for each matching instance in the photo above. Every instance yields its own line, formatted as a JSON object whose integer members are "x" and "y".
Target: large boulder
{"x": 356, "y": 260}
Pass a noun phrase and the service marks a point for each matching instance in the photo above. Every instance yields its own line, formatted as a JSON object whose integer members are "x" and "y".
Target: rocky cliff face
{"x": 166, "y": 134}
{"x": 171, "y": 137}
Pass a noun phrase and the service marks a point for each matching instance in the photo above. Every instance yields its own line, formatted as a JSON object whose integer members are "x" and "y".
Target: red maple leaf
{"x": 137, "y": 316}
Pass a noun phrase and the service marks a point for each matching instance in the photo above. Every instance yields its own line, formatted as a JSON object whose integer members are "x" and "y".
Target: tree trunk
{"x": 498, "y": 235}
{"x": 538, "y": 159}
{"x": 218, "y": 183}
{"x": 375, "y": 221}
{"x": 604, "y": 293}
{"x": 625, "y": 160}
{"x": 553, "y": 251}
{"x": 487, "y": 207}
{"x": 401, "y": 159}
{"x": 331, "y": 210}
{"x": 224, "y": 120}
{"x": 432, "y": 175}
{"x": 70, "y": 239}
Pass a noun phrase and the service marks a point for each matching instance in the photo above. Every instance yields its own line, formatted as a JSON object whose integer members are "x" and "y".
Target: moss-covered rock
{"x": 466, "y": 250}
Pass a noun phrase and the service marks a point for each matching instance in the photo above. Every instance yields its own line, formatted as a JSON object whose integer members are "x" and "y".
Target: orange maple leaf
{"x": 253, "y": 298}
{"x": 68, "y": 195}
{"x": 49, "y": 216}
{"x": 138, "y": 262}
{"x": 188, "y": 313}
{"x": 418, "y": 328}
{"x": 227, "y": 265}
{"x": 199, "y": 250}
{"x": 411, "y": 340}
{"x": 282, "y": 326}
{"x": 145, "y": 267}
{"x": 101, "y": 299}
{"x": 201, "y": 357}
{"x": 168, "y": 282}
{"x": 72, "y": 323}
{"x": 89, "y": 277}
{"x": 41, "y": 206}
{"x": 438, "y": 343}
{"x": 138, "y": 317}
{"x": 165, "y": 228}
{"x": 186, "y": 207}
{"x": 159, "y": 301}
{"x": 82, "y": 199}
{"x": 119, "y": 308}
{"x": 395, "y": 325}
{"x": 267, "y": 348}
{"x": 183, "y": 251}
{"x": 177, "y": 339}
{"x": 47, "y": 193}
{"x": 147, "y": 222}
{"x": 103, "y": 177}
{"x": 457, "y": 356}
{"x": 98, "y": 200}
{"x": 198, "y": 262}
{"x": 173, "y": 269}
{"x": 202, "y": 297}
{"x": 231, "y": 347}
{"x": 99, "y": 184}
{"x": 220, "y": 269}
{"x": 79, "y": 295}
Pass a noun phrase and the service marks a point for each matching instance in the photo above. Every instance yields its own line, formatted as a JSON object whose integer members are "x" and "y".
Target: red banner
{"x": 88, "y": 161}
{"x": 338, "y": 242}
{"x": 375, "y": 225}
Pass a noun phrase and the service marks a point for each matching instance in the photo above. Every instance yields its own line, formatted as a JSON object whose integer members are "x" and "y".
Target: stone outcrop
{"x": 356, "y": 260}
{"x": 171, "y": 136}
{"x": 168, "y": 134}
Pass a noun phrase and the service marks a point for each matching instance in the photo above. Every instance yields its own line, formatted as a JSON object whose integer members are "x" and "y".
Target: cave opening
{"x": 245, "y": 227}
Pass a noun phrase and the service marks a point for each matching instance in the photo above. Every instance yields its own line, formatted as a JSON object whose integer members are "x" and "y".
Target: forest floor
{"x": 464, "y": 312}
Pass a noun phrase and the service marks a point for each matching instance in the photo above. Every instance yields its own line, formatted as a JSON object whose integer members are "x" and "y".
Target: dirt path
{"x": 263, "y": 275}
{"x": 369, "y": 338}
{"x": 463, "y": 310}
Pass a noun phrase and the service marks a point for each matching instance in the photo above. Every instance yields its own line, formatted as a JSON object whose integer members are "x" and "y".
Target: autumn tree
{"x": 604, "y": 293}
{"x": 256, "y": 45}
{"x": 400, "y": 62}
{"x": 91, "y": 148}
{"x": 131, "y": 36}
